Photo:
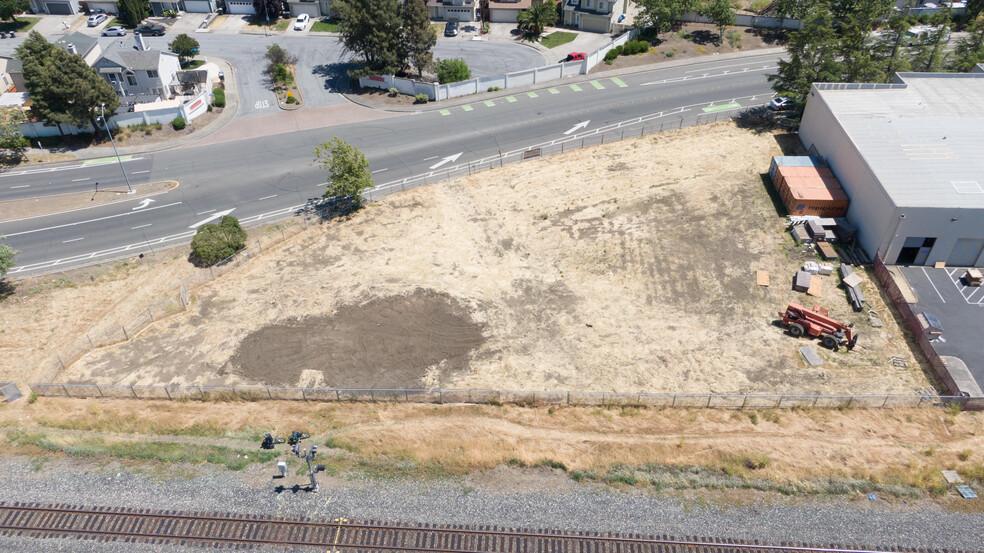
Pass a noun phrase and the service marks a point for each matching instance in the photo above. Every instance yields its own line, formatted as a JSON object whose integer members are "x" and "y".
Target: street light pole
{"x": 102, "y": 109}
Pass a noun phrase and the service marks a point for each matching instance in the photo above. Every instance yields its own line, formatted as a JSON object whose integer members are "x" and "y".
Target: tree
{"x": 452, "y": 71}
{"x": 276, "y": 55}
{"x": 970, "y": 50}
{"x": 798, "y": 9}
{"x": 661, "y": 15}
{"x": 268, "y": 9}
{"x": 533, "y": 20}
{"x": 132, "y": 12}
{"x": 11, "y": 139}
{"x": 372, "y": 30}
{"x": 890, "y": 48}
{"x": 10, "y": 8}
{"x": 854, "y": 20}
{"x": 419, "y": 35}
{"x": 348, "y": 170}
{"x": 974, "y": 8}
{"x": 64, "y": 89}
{"x": 721, "y": 14}
{"x": 930, "y": 53}
{"x": 214, "y": 242}
{"x": 7, "y": 255}
{"x": 185, "y": 47}
{"x": 813, "y": 52}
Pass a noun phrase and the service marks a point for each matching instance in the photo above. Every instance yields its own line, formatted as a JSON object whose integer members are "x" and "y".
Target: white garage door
{"x": 965, "y": 252}
{"x": 503, "y": 16}
{"x": 245, "y": 8}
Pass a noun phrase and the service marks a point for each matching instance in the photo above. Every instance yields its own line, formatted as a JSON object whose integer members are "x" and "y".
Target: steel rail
{"x": 329, "y": 525}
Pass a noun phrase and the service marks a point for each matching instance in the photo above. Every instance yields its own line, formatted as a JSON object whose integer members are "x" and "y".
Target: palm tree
{"x": 535, "y": 19}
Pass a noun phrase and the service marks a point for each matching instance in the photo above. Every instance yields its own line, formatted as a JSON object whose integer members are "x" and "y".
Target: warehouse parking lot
{"x": 960, "y": 308}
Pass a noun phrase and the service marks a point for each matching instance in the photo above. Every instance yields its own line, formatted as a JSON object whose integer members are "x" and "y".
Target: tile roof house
{"x": 133, "y": 69}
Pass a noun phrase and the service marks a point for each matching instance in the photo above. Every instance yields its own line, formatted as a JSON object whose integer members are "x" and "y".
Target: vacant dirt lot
{"x": 629, "y": 267}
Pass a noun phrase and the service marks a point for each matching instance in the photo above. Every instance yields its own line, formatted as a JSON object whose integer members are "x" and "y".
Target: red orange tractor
{"x": 832, "y": 333}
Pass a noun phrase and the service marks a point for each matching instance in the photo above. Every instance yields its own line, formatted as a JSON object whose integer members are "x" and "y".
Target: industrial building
{"x": 910, "y": 155}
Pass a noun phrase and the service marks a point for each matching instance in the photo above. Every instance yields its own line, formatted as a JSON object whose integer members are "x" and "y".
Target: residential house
{"x": 83, "y": 45}
{"x": 451, "y": 10}
{"x": 135, "y": 70}
{"x": 104, "y": 5}
{"x": 599, "y": 16}
{"x": 198, "y": 6}
{"x": 505, "y": 11}
{"x": 11, "y": 75}
{"x": 55, "y": 7}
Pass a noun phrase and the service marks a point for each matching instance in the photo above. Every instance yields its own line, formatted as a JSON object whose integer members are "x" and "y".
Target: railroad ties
{"x": 228, "y": 530}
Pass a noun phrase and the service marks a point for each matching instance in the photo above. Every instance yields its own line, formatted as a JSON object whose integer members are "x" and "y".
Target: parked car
{"x": 150, "y": 29}
{"x": 781, "y": 103}
{"x": 96, "y": 18}
{"x": 451, "y": 29}
{"x": 301, "y": 22}
{"x": 115, "y": 30}
{"x": 574, "y": 56}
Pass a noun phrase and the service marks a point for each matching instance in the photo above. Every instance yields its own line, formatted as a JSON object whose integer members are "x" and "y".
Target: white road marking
{"x": 380, "y": 170}
{"x": 266, "y": 198}
{"x": 430, "y": 158}
{"x": 72, "y": 240}
{"x": 933, "y": 285}
{"x": 580, "y": 125}
{"x": 22, "y": 186}
{"x": 702, "y": 76}
{"x": 718, "y": 67}
{"x": 447, "y": 159}
{"x": 65, "y": 168}
{"x": 140, "y": 172}
{"x": 212, "y": 218}
{"x": 143, "y": 204}
{"x": 90, "y": 220}
{"x": 141, "y": 226}
{"x": 204, "y": 212}
{"x": 80, "y": 180}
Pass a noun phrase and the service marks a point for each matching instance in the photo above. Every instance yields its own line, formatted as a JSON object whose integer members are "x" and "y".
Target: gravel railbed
{"x": 508, "y": 497}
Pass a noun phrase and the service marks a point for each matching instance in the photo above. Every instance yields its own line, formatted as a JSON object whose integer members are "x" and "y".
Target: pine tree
{"x": 854, "y": 20}
{"x": 931, "y": 54}
{"x": 371, "y": 29}
{"x": 970, "y": 51}
{"x": 813, "y": 57}
{"x": 132, "y": 12}
{"x": 10, "y": 8}
{"x": 890, "y": 49}
{"x": 419, "y": 36}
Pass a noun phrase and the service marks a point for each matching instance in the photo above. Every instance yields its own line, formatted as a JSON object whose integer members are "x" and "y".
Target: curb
{"x": 461, "y": 100}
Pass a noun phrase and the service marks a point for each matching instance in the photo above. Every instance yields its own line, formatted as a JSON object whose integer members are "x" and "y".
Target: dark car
{"x": 149, "y": 29}
{"x": 574, "y": 56}
{"x": 451, "y": 29}
{"x": 781, "y": 103}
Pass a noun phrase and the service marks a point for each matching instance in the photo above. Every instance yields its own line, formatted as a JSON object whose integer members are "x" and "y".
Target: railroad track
{"x": 344, "y": 536}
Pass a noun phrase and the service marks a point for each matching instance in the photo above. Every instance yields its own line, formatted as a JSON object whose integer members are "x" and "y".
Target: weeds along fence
{"x": 502, "y": 397}
{"x": 98, "y": 338}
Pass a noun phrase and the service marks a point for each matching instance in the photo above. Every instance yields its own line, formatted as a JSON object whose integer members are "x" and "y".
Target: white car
{"x": 115, "y": 30}
{"x": 96, "y": 18}
{"x": 301, "y": 22}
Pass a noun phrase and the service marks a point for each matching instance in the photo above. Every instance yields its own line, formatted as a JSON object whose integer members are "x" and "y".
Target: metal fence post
{"x": 132, "y": 391}
{"x": 168, "y": 392}
{"x": 442, "y": 396}
{"x": 269, "y": 394}
{"x": 58, "y": 357}
{"x": 125, "y": 335}
{"x": 885, "y": 402}
{"x": 64, "y": 389}
{"x": 91, "y": 345}
{"x": 149, "y": 314}
{"x": 303, "y": 395}
{"x": 338, "y": 395}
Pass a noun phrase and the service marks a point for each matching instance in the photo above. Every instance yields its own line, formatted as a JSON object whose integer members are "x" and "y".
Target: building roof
{"x": 83, "y": 43}
{"x": 510, "y": 4}
{"x": 14, "y": 65}
{"x": 125, "y": 53}
{"x": 922, "y": 137}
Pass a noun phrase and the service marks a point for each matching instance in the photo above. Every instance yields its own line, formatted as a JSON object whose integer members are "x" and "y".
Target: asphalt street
{"x": 270, "y": 177}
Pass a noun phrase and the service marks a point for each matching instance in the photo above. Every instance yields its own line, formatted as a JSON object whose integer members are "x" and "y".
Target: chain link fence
{"x": 502, "y": 397}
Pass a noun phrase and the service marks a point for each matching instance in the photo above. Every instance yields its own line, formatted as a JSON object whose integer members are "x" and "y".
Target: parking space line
{"x": 972, "y": 294}
{"x": 553, "y": 91}
{"x": 510, "y": 99}
{"x": 960, "y": 288}
{"x": 489, "y": 103}
{"x": 575, "y": 88}
{"x": 932, "y": 284}
{"x": 531, "y": 94}
{"x": 618, "y": 82}
{"x": 445, "y": 112}
{"x": 467, "y": 108}
{"x": 597, "y": 85}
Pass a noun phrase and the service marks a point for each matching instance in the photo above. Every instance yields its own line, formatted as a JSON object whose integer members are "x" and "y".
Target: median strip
{"x": 26, "y": 208}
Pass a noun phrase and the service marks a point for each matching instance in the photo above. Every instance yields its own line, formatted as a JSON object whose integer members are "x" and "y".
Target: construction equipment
{"x": 832, "y": 333}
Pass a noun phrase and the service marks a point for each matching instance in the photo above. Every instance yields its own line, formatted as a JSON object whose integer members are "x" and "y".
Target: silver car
{"x": 96, "y": 18}
{"x": 115, "y": 30}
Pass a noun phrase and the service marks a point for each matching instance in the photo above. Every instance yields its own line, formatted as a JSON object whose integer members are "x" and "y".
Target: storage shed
{"x": 909, "y": 155}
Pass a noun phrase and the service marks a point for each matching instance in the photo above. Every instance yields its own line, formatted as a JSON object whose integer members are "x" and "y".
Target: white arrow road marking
{"x": 143, "y": 204}
{"x": 447, "y": 159}
{"x": 212, "y": 218}
{"x": 580, "y": 125}
{"x": 89, "y": 220}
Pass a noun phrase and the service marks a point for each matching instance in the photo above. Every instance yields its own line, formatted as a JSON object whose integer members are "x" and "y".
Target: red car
{"x": 574, "y": 56}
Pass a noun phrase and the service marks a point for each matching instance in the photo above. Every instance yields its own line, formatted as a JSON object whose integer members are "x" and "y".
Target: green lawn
{"x": 557, "y": 38}
{"x": 193, "y": 64}
{"x": 120, "y": 22}
{"x": 324, "y": 27}
{"x": 22, "y": 25}
{"x": 277, "y": 24}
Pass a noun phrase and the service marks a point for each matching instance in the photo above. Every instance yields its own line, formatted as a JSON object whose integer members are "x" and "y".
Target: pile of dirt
{"x": 390, "y": 342}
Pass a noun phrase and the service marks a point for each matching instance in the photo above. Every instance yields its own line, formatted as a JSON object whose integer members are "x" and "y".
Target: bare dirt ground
{"x": 629, "y": 267}
{"x": 57, "y": 203}
{"x": 697, "y": 40}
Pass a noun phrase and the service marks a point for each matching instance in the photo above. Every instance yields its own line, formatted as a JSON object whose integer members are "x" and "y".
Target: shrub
{"x": 759, "y": 5}
{"x": 734, "y": 38}
{"x": 394, "y": 92}
{"x": 179, "y": 123}
{"x": 669, "y": 54}
{"x": 219, "y": 98}
{"x": 452, "y": 71}
{"x": 618, "y": 50}
{"x": 701, "y": 50}
{"x": 421, "y": 99}
{"x": 291, "y": 100}
{"x": 494, "y": 89}
{"x": 214, "y": 242}
{"x": 610, "y": 56}
{"x": 634, "y": 47}
{"x": 170, "y": 14}
{"x": 280, "y": 74}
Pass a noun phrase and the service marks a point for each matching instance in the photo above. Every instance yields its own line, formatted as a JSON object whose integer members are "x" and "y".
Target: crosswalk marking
{"x": 510, "y": 99}
{"x": 445, "y": 112}
{"x": 467, "y": 108}
{"x": 575, "y": 88}
{"x": 597, "y": 85}
{"x": 489, "y": 103}
{"x": 619, "y": 82}
{"x": 553, "y": 91}
{"x": 531, "y": 94}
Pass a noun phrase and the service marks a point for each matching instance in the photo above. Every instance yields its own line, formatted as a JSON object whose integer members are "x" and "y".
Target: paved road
{"x": 269, "y": 177}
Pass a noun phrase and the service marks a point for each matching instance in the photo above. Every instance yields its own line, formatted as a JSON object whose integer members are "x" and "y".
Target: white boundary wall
{"x": 526, "y": 77}
{"x": 745, "y": 20}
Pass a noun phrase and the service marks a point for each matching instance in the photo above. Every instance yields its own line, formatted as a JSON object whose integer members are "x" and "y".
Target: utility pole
{"x": 102, "y": 109}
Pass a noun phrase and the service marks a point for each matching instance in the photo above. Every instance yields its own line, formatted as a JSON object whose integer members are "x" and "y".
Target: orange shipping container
{"x": 823, "y": 202}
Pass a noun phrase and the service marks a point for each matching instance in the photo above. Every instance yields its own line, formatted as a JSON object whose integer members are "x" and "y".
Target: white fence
{"x": 745, "y": 20}
{"x": 189, "y": 110}
{"x": 516, "y": 79}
